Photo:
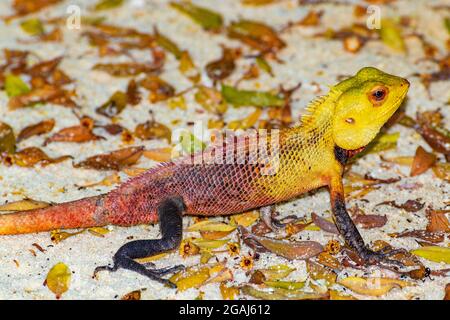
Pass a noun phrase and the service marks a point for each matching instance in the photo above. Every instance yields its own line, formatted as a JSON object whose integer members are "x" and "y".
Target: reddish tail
{"x": 76, "y": 214}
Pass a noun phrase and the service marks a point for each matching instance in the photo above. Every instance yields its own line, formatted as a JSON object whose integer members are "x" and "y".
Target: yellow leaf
{"x": 391, "y": 35}
{"x": 134, "y": 172}
{"x": 190, "y": 278}
{"x": 277, "y": 272}
{"x": 208, "y": 225}
{"x": 159, "y": 154}
{"x": 433, "y": 253}
{"x": 23, "y": 205}
{"x": 209, "y": 244}
{"x": 133, "y": 295}
{"x": 336, "y": 295}
{"x": 107, "y": 181}
{"x": 152, "y": 258}
{"x": 319, "y": 272}
{"x": 245, "y": 219}
{"x": 57, "y": 236}
{"x": 288, "y": 285}
{"x": 58, "y": 279}
{"x": 228, "y": 293}
{"x": 98, "y": 231}
{"x": 373, "y": 286}
{"x": 32, "y": 26}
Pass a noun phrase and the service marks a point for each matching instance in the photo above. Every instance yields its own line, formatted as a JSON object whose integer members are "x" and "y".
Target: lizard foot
{"x": 169, "y": 212}
{"x": 381, "y": 259}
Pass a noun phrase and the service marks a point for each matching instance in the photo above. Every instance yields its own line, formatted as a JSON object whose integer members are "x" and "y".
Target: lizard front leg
{"x": 350, "y": 233}
{"x": 170, "y": 219}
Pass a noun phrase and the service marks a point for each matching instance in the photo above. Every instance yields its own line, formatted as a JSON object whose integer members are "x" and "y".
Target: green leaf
{"x": 168, "y": 45}
{"x": 107, "y": 4}
{"x": 190, "y": 144}
{"x": 240, "y": 98}
{"x": 447, "y": 24}
{"x": 32, "y": 26}
{"x": 384, "y": 142}
{"x": 208, "y": 19}
{"x": 15, "y": 86}
{"x": 264, "y": 65}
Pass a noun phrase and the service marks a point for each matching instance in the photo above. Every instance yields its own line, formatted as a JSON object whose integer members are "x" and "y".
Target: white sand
{"x": 307, "y": 60}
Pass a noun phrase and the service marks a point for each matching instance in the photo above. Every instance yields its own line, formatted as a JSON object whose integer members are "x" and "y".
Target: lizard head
{"x": 366, "y": 102}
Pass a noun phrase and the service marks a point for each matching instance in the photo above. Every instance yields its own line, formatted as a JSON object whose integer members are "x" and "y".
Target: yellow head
{"x": 366, "y": 102}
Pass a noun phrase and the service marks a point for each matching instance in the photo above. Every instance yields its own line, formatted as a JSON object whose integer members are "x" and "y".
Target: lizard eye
{"x": 378, "y": 94}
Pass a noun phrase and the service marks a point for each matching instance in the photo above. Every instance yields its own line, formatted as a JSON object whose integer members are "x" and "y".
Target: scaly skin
{"x": 311, "y": 155}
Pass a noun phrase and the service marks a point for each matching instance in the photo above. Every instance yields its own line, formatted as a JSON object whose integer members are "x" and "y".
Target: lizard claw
{"x": 381, "y": 259}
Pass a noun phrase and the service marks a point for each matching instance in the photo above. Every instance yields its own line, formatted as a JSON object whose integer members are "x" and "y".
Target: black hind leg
{"x": 170, "y": 220}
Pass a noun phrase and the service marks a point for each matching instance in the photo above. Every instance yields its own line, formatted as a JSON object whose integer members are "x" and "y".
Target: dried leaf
{"x": 410, "y": 205}
{"x": 126, "y": 69}
{"x": 247, "y": 122}
{"x": 209, "y": 244}
{"x": 7, "y": 139}
{"x": 36, "y": 129}
{"x": 264, "y": 65}
{"x": 447, "y": 287}
{"x": 255, "y": 34}
{"x": 276, "y": 272}
{"x": 245, "y": 219}
{"x": 382, "y": 142}
{"x": 423, "y": 160}
{"x": 289, "y": 250}
{"x": 239, "y": 98}
{"x": 258, "y": 2}
{"x": 318, "y": 272}
{"x": 191, "y": 277}
{"x": 433, "y": 237}
{"x": 23, "y": 205}
{"x": 188, "y": 68}
{"x": 24, "y": 7}
{"x": 391, "y": 35}
{"x": 133, "y": 96}
{"x": 15, "y": 86}
{"x": 158, "y": 154}
{"x": 281, "y": 294}
{"x": 373, "y": 286}
{"x": 324, "y": 224}
{"x": 78, "y": 134}
{"x": 208, "y": 19}
{"x": 30, "y": 156}
{"x": 159, "y": 89}
{"x": 115, "y": 160}
{"x": 108, "y": 181}
{"x": 98, "y": 231}
{"x": 437, "y": 140}
{"x": 58, "y": 279}
{"x": 288, "y": 285}
{"x": 437, "y": 221}
{"x": 209, "y": 225}
{"x": 47, "y": 93}
{"x": 433, "y": 253}
{"x": 228, "y": 293}
{"x": 153, "y": 130}
{"x": 57, "y": 236}
{"x": 336, "y": 295}
{"x": 115, "y": 104}
{"x": 211, "y": 100}
{"x": 133, "y": 295}
{"x": 223, "y": 67}
{"x": 370, "y": 221}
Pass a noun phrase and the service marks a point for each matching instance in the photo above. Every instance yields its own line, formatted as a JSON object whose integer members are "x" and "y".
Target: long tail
{"x": 81, "y": 213}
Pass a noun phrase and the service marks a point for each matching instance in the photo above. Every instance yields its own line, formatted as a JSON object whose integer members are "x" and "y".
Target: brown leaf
{"x": 24, "y": 7}
{"x": 133, "y": 295}
{"x": 79, "y": 134}
{"x": 423, "y": 160}
{"x": 133, "y": 96}
{"x": 159, "y": 154}
{"x": 369, "y": 221}
{"x": 7, "y": 139}
{"x": 125, "y": 69}
{"x": 435, "y": 139}
{"x": 153, "y": 130}
{"x": 115, "y": 160}
{"x": 324, "y": 224}
{"x": 44, "y": 68}
{"x": 159, "y": 89}
{"x": 256, "y": 34}
{"x": 410, "y": 205}
{"x": 311, "y": 19}
{"x": 223, "y": 67}
{"x": 289, "y": 250}
{"x": 40, "y": 95}
{"x": 30, "y": 156}
{"x": 433, "y": 237}
{"x": 437, "y": 221}
{"x": 115, "y": 104}
{"x": 447, "y": 292}
{"x": 36, "y": 129}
